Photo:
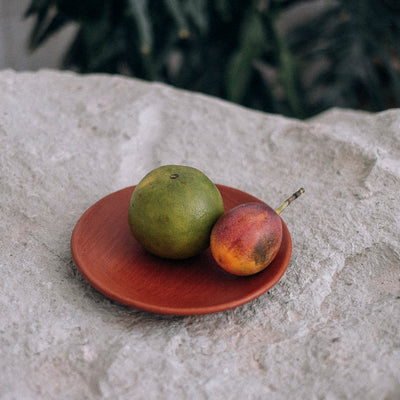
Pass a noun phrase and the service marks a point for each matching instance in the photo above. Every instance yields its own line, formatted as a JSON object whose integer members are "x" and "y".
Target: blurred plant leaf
{"x": 176, "y": 9}
{"x": 241, "y": 64}
{"x": 197, "y": 11}
{"x": 41, "y": 14}
{"x": 42, "y": 33}
{"x": 140, "y": 11}
{"x": 36, "y": 6}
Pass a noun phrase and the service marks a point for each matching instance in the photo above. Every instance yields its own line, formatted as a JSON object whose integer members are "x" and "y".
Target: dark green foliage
{"x": 295, "y": 58}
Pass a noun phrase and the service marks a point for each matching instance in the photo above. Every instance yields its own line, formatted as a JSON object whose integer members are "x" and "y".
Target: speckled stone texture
{"x": 330, "y": 329}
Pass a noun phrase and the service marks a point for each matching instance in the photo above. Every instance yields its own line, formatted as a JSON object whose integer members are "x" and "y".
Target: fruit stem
{"x": 294, "y": 196}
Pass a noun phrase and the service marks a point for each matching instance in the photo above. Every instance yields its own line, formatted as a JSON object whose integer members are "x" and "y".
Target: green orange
{"x": 172, "y": 211}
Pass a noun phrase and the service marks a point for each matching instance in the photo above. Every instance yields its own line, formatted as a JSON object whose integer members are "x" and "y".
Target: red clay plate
{"x": 113, "y": 262}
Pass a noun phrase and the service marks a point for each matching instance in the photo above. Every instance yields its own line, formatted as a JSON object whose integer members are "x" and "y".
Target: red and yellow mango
{"x": 247, "y": 238}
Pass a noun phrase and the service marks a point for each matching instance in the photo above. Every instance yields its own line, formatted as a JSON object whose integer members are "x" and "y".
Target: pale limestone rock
{"x": 328, "y": 330}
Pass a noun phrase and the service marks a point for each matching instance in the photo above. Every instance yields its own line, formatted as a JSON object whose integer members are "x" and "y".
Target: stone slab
{"x": 328, "y": 330}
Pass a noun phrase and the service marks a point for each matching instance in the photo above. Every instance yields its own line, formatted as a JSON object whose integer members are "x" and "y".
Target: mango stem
{"x": 294, "y": 196}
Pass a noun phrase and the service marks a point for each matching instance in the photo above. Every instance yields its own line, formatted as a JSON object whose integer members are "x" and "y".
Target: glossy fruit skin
{"x": 172, "y": 211}
{"x": 246, "y": 239}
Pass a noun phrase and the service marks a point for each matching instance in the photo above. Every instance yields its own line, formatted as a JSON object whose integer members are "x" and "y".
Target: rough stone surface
{"x": 330, "y": 329}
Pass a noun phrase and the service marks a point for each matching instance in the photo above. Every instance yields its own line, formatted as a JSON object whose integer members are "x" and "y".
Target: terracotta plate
{"x": 112, "y": 261}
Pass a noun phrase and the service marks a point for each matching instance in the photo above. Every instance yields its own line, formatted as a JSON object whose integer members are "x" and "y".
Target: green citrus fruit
{"x": 172, "y": 211}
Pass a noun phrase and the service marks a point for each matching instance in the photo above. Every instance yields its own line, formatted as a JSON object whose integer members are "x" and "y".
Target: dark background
{"x": 295, "y": 58}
